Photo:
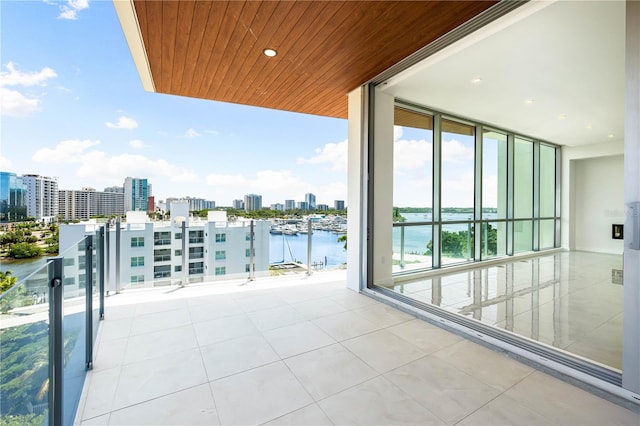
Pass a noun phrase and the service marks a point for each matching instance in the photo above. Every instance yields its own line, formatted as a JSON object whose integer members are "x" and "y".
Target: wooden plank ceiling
{"x": 213, "y": 49}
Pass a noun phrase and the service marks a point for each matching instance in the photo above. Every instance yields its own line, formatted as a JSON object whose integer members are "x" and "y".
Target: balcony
{"x": 306, "y": 350}
{"x": 292, "y": 349}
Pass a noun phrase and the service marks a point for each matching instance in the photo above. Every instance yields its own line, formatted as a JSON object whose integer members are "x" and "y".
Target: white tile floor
{"x": 307, "y": 351}
{"x": 570, "y": 300}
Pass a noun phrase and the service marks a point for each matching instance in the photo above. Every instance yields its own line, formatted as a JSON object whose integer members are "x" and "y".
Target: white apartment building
{"x": 42, "y": 197}
{"x": 145, "y": 253}
{"x": 85, "y": 203}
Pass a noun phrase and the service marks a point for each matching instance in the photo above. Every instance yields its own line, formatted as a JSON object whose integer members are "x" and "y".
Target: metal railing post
{"x": 401, "y": 247}
{"x": 309, "y": 235}
{"x": 101, "y": 265}
{"x": 56, "y": 349}
{"x": 251, "y": 249}
{"x": 185, "y": 275}
{"x": 107, "y": 263}
{"x": 88, "y": 293}
{"x": 117, "y": 256}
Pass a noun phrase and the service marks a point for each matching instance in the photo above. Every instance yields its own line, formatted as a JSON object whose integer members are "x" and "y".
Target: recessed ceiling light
{"x": 562, "y": 116}
{"x": 610, "y": 136}
{"x": 528, "y": 101}
{"x": 589, "y": 127}
{"x": 476, "y": 80}
{"x": 269, "y": 52}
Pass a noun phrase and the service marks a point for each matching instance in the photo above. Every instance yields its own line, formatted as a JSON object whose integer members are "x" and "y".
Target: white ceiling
{"x": 568, "y": 56}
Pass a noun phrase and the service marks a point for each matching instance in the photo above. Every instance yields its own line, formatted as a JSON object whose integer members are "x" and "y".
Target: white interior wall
{"x": 599, "y": 202}
{"x": 570, "y": 156}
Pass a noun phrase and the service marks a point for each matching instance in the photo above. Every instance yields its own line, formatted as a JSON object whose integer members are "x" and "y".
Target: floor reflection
{"x": 572, "y": 300}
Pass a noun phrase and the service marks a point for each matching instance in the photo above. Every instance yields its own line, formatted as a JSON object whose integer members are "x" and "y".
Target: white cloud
{"x": 397, "y": 132}
{"x": 137, "y": 144}
{"x": 100, "y": 166}
{"x": 14, "y": 77}
{"x": 334, "y": 154}
{"x": 411, "y": 155}
{"x": 123, "y": 123}
{"x": 71, "y": 9}
{"x": 5, "y": 163}
{"x": 69, "y": 151}
{"x": 212, "y": 132}
{"x": 225, "y": 180}
{"x": 14, "y": 103}
{"x": 456, "y": 152}
{"x": 191, "y": 133}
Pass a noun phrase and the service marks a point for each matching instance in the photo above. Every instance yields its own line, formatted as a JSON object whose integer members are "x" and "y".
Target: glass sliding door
{"x": 412, "y": 189}
{"x": 457, "y": 192}
{"x": 494, "y": 194}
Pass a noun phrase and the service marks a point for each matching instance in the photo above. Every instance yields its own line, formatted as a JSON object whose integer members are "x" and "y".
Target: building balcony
{"x": 306, "y": 350}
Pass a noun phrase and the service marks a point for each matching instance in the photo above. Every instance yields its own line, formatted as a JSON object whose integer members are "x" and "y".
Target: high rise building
{"x": 87, "y": 203}
{"x": 118, "y": 189}
{"x": 322, "y": 207}
{"x": 238, "y": 204}
{"x": 338, "y": 204}
{"x": 302, "y": 205}
{"x": 289, "y": 204}
{"x": 252, "y": 202}
{"x": 277, "y": 207}
{"x": 136, "y": 192}
{"x": 310, "y": 199}
{"x": 42, "y": 197}
{"x": 13, "y": 198}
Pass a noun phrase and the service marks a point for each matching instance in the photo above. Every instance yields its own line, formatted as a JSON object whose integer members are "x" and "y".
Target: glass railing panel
{"x": 74, "y": 328}
{"x": 412, "y": 247}
{"x": 24, "y": 350}
{"x": 457, "y": 243}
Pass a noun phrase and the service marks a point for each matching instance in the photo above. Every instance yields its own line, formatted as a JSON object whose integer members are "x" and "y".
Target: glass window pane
{"x": 494, "y": 239}
{"x": 457, "y": 243}
{"x": 412, "y": 165}
{"x": 522, "y": 236}
{"x": 523, "y": 179}
{"x": 457, "y": 185}
{"x": 547, "y": 181}
{"x": 547, "y": 234}
{"x": 412, "y": 247}
{"x": 494, "y": 175}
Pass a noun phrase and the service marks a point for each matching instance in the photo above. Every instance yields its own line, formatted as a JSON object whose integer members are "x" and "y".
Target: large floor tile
{"x": 310, "y": 415}
{"x": 221, "y": 329}
{"x": 157, "y": 377}
{"x": 213, "y": 308}
{"x": 505, "y": 411}
{"x": 329, "y": 370}
{"x": 259, "y": 395}
{"x": 352, "y": 300}
{"x": 376, "y": 402}
{"x": 316, "y": 308}
{"x": 345, "y": 325}
{"x": 113, "y": 329}
{"x": 427, "y": 337}
{"x": 101, "y": 388}
{"x": 446, "y": 391}
{"x": 280, "y": 316}
{"x": 383, "y": 315}
{"x": 168, "y": 304}
{"x": 256, "y": 302}
{"x": 159, "y": 343}
{"x": 170, "y": 410}
{"x": 488, "y": 366}
{"x": 236, "y": 355}
{"x": 109, "y": 354}
{"x": 383, "y": 350}
{"x": 160, "y": 321}
{"x": 298, "y": 338}
{"x": 568, "y": 405}
{"x": 96, "y": 421}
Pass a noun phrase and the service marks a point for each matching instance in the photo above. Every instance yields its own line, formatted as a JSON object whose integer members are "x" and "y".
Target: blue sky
{"x": 73, "y": 107}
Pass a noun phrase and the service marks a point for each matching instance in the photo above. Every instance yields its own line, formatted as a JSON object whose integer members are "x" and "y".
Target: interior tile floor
{"x": 569, "y": 300}
{"x": 304, "y": 350}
